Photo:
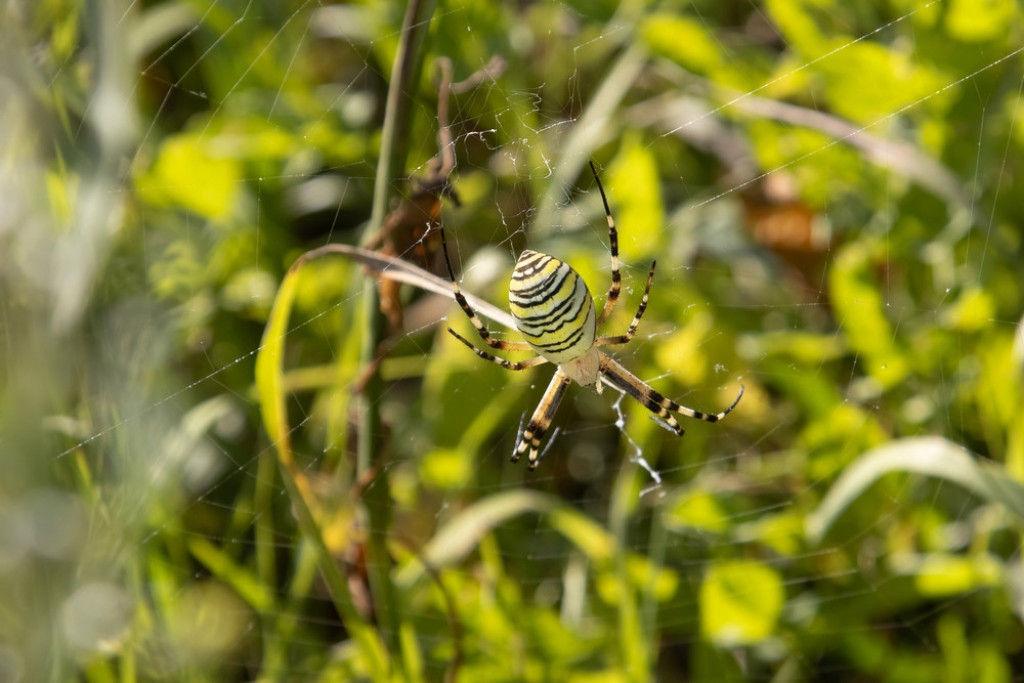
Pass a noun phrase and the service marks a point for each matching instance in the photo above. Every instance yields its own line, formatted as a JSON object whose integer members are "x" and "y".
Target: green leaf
{"x": 453, "y": 542}
{"x": 446, "y": 468}
{"x": 860, "y": 309}
{"x": 932, "y": 456}
{"x": 635, "y": 198}
{"x": 783, "y": 533}
{"x": 271, "y": 392}
{"x": 682, "y": 354}
{"x": 972, "y": 311}
{"x": 980, "y": 20}
{"x": 269, "y": 374}
{"x": 804, "y": 347}
{"x": 244, "y": 582}
{"x": 697, "y": 509}
{"x": 942, "y": 575}
{"x": 189, "y": 172}
{"x": 685, "y": 41}
{"x": 867, "y": 82}
{"x": 740, "y": 602}
{"x": 464, "y": 531}
{"x": 797, "y": 25}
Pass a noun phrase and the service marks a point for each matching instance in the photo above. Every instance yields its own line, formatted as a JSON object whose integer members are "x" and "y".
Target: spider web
{"x": 830, "y": 196}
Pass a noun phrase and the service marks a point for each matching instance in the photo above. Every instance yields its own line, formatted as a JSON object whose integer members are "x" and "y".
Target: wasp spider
{"x": 554, "y": 311}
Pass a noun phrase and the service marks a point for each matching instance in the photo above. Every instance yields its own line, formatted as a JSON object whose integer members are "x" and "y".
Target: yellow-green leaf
{"x": 189, "y": 173}
{"x": 446, "y": 468}
{"x": 942, "y": 576}
{"x": 740, "y": 602}
{"x": 980, "y": 20}
{"x": 635, "y": 194}
{"x": 697, "y": 510}
{"x": 682, "y": 40}
{"x": 857, "y": 299}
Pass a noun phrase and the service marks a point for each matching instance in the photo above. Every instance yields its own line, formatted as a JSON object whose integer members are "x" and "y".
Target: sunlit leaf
{"x": 867, "y": 81}
{"x": 683, "y": 40}
{"x": 269, "y": 371}
{"x": 783, "y": 533}
{"x": 189, "y": 172}
{"x": 972, "y": 311}
{"x": 838, "y": 437}
{"x": 861, "y": 311}
{"x": 805, "y": 347}
{"x": 445, "y": 469}
{"x": 977, "y": 21}
{"x": 795, "y": 21}
{"x": 697, "y": 510}
{"x": 683, "y": 354}
{"x": 942, "y": 575}
{"x": 740, "y": 602}
{"x": 635, "y": 198}
{"x": 659, "y": 582}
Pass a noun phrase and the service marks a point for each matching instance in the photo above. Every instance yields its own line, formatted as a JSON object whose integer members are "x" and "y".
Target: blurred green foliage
{"x": 831, "y": 191}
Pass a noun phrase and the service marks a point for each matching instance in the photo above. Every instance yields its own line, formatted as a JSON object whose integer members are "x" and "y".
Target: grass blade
{"x": 931, "y": 456}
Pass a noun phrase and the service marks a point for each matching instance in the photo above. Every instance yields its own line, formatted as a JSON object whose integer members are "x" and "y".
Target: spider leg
{"x": 548, "y": 445}
{"x": 541, "y": 420}
{"x": 508, "y": 365}
{"x": 613, "y": 243}
{"x": 662, "y": 407}
{"x": 471, "y": 314}
{"x": 624, "y": 338}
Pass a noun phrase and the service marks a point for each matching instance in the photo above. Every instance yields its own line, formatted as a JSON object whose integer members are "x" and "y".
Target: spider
{"x": 554, "y": 311}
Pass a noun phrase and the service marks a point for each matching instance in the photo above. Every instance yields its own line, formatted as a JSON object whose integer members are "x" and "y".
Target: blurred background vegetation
{"x": 217, "y": 468}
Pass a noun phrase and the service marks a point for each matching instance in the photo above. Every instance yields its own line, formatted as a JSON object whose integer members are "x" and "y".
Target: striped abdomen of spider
{"x": 554, "y": 311}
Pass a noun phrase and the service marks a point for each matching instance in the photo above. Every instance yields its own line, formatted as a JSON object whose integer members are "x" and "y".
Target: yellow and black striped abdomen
{"x": 552, "y": 307}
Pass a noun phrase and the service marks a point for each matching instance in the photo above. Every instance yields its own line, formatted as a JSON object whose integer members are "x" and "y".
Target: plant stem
{"x": 369, "y": 454}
